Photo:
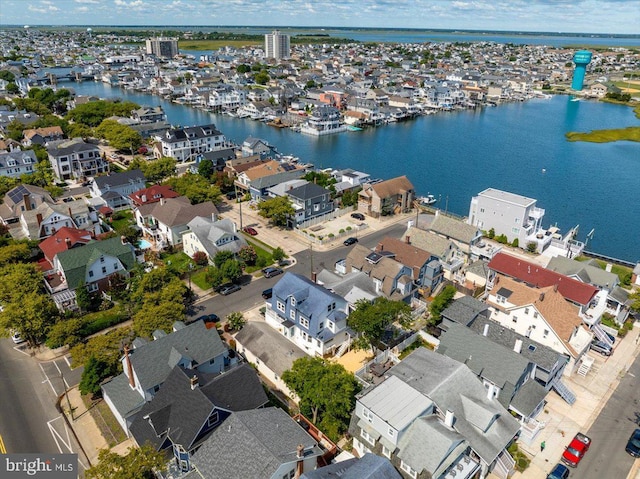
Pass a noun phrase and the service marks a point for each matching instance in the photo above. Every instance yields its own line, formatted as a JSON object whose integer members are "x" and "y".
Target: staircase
{"x": 504, "y": 465}
{"x": 563, "y": 390}
{"x": 601, "y": 334}
{"x": 343, "y": 348}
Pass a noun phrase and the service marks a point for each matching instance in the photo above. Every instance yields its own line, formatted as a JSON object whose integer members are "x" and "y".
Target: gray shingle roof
{"x": 587, "y": 273}
{"x": 528, "y": 397}
{"x": 67, "y": 147}
{"x": 152, "y": 362}
{"x": 430, "y": 241}
{"x": 177, "y": 211}
{"x": 455, "y": 229}
{"x": 127, "y": 401}
{"x": 464, "y": 310}
{"x": 113, "y": 180}
{"x": 209, "y": 231}
{"x": 308, "y": 191}
{"x": 483, "y": 422}
{"x": 368, "y": 466}
{"x": 253, "y": 445}
{"x": 272, "y": 180}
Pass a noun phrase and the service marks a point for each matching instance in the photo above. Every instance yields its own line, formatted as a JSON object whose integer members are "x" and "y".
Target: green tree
{"x": 243, "y": 68}
{"x": 221, "y": 258}
{"x": 139, "y": 463}
{"x": 120, "y": 137}
{"x": 94, "y": 112}
{"x": 65, "y": 331}
{"x": 532, "y": 246}
{"x": 154, "y": 316}
{"x": 232, "y": 270}
{"x": 236, "y": 320}
{"x": 491, "y": 233}
{"x": 7, "y": 75}
{"x": 84, "y": 298}
{"x": 326, "y": 390}
{"x": 205, "y": 168}
{"x": 15, "y": 253}
{"x": 248, "y": 255}
{"x": 106, "y": 347}
{"x": 635, "y": 300}
{"x": 261, "y": 78}
{"x": 214, "y": 276}
{"x": 278, "y": 254}
{"x": 13, "y": 89}
{"x": 277, "y": 210}
{"x": 350, "y": 197}
{"x": 155, "y": 170}
{"x": 440, "y": 303}
{"x": 95, "y": 371}
{"x": 371, "y": 319}
{"x": 195, "y": 187}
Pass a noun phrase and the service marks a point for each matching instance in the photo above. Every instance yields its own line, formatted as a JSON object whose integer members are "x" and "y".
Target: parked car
{"x": 16, "y": 338}
{"x": 249, "y": 230}
{"x": 576, "y": 450}
{"x": 231, "y": 195}
{"x": 358, "y": 216}
{"x": 350, "y": 241}
{"x": 271, "y": 271}
{"x": 208, "y": 318}
{"x": 633, "y": 446}
{"x": 600, "y": 347}
{"x": 267, "y": 293}
{"x": 560, "y": 471}
{"x": 228, "y": 288}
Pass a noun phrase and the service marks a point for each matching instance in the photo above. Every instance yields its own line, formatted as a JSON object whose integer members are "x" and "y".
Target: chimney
{"x": 449, "y": 418}
{"x": 407, "y": 239}
{"x": 314, "y": 276}
{"x": 518, "y": 346}
{"x": 555, "y": 287}
{"x": 39, "y": 219}
{"x": 608, "y": 267}
{"x": 67, "y": 241}
{"x": 300, "y": 463}
{"x": 485, "y": 330}
{"x": 132, "y": 381}
{"x": 123, "y": 239}
{"x": 70, "y": 213}
{"x": 27, "y": 201}
{"x": 541, "y": 296}
{"x": 194, "y": 382}
{"x": 162, "y": 201}
{"x": 144, "y": 198}
{"x": 380, "y": 247}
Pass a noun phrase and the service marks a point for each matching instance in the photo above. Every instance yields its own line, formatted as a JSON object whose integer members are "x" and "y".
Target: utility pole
{"x": 66, "y": 394}
{"x": 239, "y": 200}
{"x": 311, "y": 257}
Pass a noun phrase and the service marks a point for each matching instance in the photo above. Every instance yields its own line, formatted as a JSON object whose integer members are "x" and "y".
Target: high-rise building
{"x": 581, "y": 59}
{"x": 162, "y": 47}
{"x": 277, "y": 45}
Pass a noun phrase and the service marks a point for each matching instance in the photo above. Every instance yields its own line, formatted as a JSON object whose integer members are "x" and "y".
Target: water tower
{"x": 581, "y": 59}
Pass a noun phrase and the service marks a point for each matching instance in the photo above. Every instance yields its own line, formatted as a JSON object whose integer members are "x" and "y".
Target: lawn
{"x": 198, "y": 278}
{"x": 623, "y": 272}
{"x": 121, "y": 219}
{"x": 264, "y": 258}
{"x": 178, "y": 262}
{"x": 105, "y": 420}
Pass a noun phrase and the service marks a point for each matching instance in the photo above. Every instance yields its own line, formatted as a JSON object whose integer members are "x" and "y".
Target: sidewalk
{"x": 563, "y": 421}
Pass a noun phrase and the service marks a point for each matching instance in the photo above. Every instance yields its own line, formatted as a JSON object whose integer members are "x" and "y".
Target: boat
{"x": 354, "y": 128}
{"x": 427, "y": 200}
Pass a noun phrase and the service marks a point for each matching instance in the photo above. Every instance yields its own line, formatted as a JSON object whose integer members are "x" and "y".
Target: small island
{"x": 630, "y": 133}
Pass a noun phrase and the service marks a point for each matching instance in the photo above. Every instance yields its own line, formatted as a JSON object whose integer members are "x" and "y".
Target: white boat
{"x": 427, "y": 200}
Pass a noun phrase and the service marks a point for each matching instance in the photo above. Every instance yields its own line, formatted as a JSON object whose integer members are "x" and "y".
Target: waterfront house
{"x": 209, "y": 236}
{"x": 448, "y": 253}
{"x": 259, "y": 178}
{"x": 184, "y": 144}
{"x": 256, "y": 146}
{"x": 465, "y": 236}
{"x": 310, "y": 201}
{"x": 386, "y": 197}
{"x": 190, "y": 405}
{"x": 164, "y": 221}
{"x": 115, "y": 188}
{"x": 432, "y": 417}
{"x": 261, "y": 443}
{"x": 147, "y": 364}
{"x": 149, "y": 114}
{"x": 308, "y": 315}
{"x": 75, "y": 159}
{"x": 14, "y": 164}
{"x": 323, "y": 120}
{"x": 88, "y": 266}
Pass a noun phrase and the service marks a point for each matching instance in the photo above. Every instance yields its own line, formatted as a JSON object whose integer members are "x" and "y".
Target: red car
{"x": 576, "y": 450}
{"x": 249, "y": 230}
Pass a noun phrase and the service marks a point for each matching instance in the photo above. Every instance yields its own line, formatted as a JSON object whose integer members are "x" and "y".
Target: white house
{"x": 206, "y": 235}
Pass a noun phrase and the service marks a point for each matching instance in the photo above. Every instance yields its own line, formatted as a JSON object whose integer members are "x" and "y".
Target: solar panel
{"x": 18, "y": 193}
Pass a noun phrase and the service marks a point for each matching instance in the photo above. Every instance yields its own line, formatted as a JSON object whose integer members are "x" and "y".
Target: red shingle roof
{"x": 57, "y": 242}
{"x": 152, "y": 194}
{"x": 536, "y": 275}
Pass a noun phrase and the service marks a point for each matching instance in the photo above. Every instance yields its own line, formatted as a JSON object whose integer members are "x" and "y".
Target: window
{"x": 101, "y": 257}
{"x": 391, "y": 432}
{"x": 304, "y": 322}
{"x": 407, "y": 468}
{"x": 290, "y": 475}
{"x": 386, "y": 452}
{"x": 292, "y": 314}
{"x": 532, "y": 347}
{"x": 90, "y": 274}
{"x": 316, "y": 207}
{"x": 535, "y": 314}
{"x": 368, "y": 415}
{"x": 526, "y": 310}
{"x": 367, "y": 437}
{"x": 280, "y": 306}
{"x": 545, "y": 333}
{"x": 515, "y": 319}
{"x": 115, "y": 266}
{"x": 213, "y": 419}
{"x": 293, "y": 301}
{"x": 321, "y": 326}
{"x": 104, "y": 270}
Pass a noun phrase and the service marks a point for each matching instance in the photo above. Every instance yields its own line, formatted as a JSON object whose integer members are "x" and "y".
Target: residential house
{"x": 186, "y": 143}
{"x": 261, "y": 443}
{"x": 149, "y": 114}
{"x": 147, "y": 365}
{"x": 308, "y": 315}
{"x": 541, "y": 314}
{"x": 349, "y": 180}
{"x": 165, "y": 220}
{"x": 270, "y": 351}
{"x": 432, "y": 417}
{"x": 387, "y": 197}
{"x": 190, "y": 405}
{"x": 209, "y": 236}
{"x": 76, "y": 159}
{"x": 256, "y": 146}
{"x": 115, "y": 188}
{"x": 14, "y": 164}
{"x": 22, "y": 198}
{"x": 153, "y": 194}
{"x": 448, "y": 253}
{"x": 218, "y": 159}
{"x": 390, "y": 278}
{"x": 353, "y": 287}
{"x": 47, "y": 218}
{"x": 368, "y": 466}
{"x": 505, "y": 373}
{"x": 42, "y": 136}
{"x": 63, "y": 239}
{"x": 465, "y": 236}
{"x": 426, "y": 269}
{"x": 323, "y": 120}
{"x": 464, "y": 310}
{"x": 611, "y": 298}
{"x": 258, "y": 179}
{"x": 509, "y": 214}
{"x": 309, "y": 201}
{"x": 88, "y": 266}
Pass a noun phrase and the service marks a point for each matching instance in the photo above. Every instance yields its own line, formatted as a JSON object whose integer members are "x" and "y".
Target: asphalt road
{"x": 606, "y": 458}
{"x": 28, "y": 404}
{"x": 251, "y": 293}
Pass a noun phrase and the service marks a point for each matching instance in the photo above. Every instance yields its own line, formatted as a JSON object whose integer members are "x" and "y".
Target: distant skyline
{"x": 571, "y": 16}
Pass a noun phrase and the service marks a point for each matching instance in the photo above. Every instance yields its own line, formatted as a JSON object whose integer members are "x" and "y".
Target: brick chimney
{"x": 300, "y": 463}
{"x": 314, "y": 276}
{"x": 407, "y": 239}
{"x": 67, "y": 242}
{"x": 39, "y": 218}
{"x": 132, "y": 381}
{"x": 27, "y": 201}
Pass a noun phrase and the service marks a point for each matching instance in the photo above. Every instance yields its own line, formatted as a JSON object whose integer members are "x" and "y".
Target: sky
{"x": 577, "y": 16}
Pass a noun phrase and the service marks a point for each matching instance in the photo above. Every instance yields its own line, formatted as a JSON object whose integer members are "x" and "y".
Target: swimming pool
{"x": 144, "y": 244}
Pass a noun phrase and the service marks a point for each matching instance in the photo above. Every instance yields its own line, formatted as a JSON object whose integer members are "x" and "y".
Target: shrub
{"x": 349, "y": 228}
{"x": 200, "y": 258}
{"x": 341, "y": 231}
{"x": 515, "y": 243}
{"x": 502, "y": 239}
{"x": 532, "y": 246}
{"x": 261, "y": 262}
{"x": 278, "y": 254}
{"x": 491, "y": 233}
{"x": 232, "y": 344}
{"x": 331, "y": 235}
